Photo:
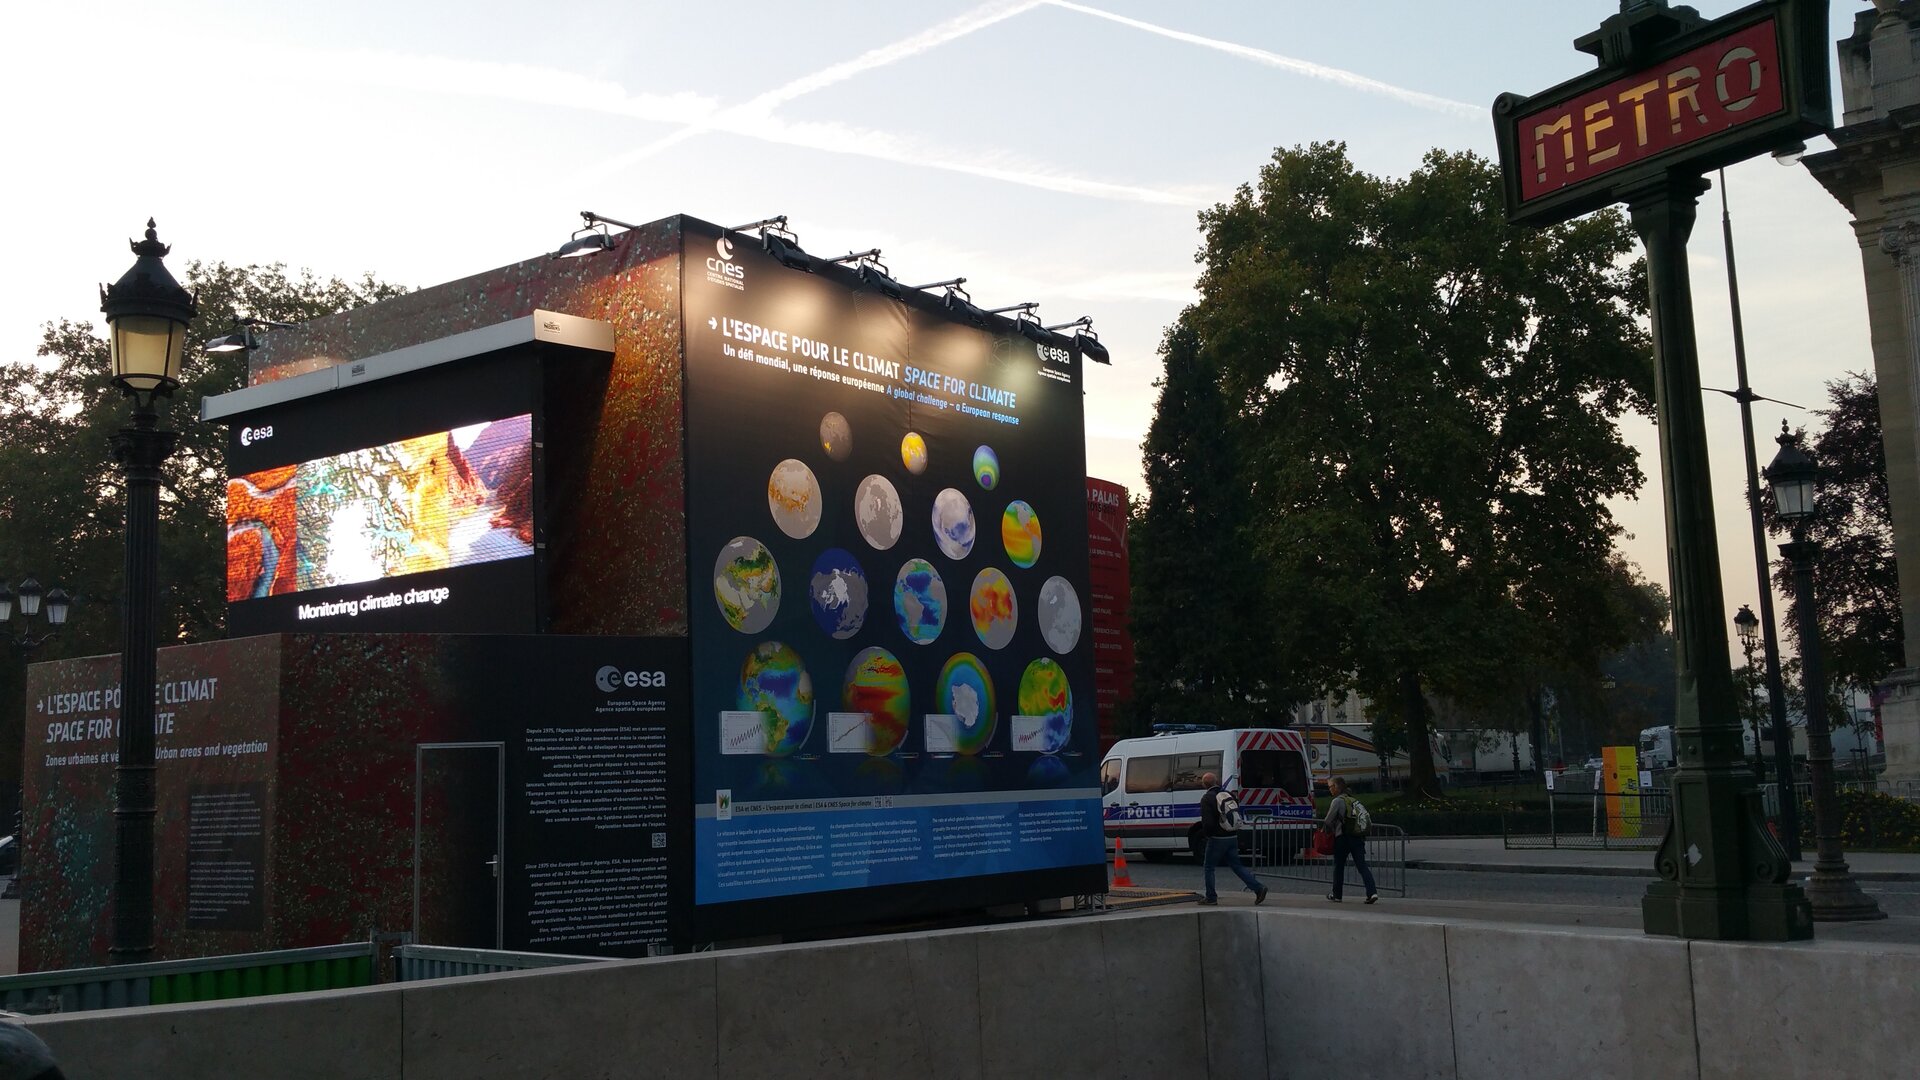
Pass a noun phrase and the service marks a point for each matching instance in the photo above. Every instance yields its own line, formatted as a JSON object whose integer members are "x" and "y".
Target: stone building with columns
{"x": 1874, "y": 170}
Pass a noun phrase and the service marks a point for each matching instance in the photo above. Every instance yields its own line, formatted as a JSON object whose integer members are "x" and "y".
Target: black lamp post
{"x": 1835, "y": 896}
{"x": 1747, "y": 625}
{"x": 147, "y": 315}
{"x": 31, "y": 602}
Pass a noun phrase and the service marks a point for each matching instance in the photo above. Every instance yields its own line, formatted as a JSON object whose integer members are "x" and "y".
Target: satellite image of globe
{"x": 1059, "y": 615}
{"x": 793, "y": 495}
{"x": 775, "y": 684}
{"x": 953, "y": 523}
{"x": 1044, "y": 692}
{"x": 1020, "y": 532}
{"x": 877, "y": 685}
{"x": 913, "y": 453}
{"x": 746, "y": 583}
{"x": 837, "y": 591}
{"x": 991, "y": 603}
{"x": 876, "y": 510}
{"x": 920, "y": 601}
{"x": 986, "y": 467}
{"x": 836, "y": 436}
{"x": 966, "y": 691}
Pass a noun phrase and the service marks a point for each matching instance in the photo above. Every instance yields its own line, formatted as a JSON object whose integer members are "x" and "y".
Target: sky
{"x": 1047, "y": 150}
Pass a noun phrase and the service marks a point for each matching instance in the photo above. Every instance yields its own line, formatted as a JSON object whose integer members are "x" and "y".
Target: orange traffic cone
{"x": 1121, "y": 879}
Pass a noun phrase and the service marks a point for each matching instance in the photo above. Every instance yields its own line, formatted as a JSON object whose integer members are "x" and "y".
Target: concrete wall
{"x": 1226, "y": 994}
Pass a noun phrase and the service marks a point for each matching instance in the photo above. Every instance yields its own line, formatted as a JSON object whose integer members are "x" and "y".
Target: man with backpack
{"x": 1347, "y": 822}
{"x": 1220, "y": 825}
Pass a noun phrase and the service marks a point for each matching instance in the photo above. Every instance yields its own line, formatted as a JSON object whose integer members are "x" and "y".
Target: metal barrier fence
{"x": 411, "y": 962}
{"x": 209, "y": 978}
{"x": 1285, "y": 850}
{"x": 1591, "y": 820}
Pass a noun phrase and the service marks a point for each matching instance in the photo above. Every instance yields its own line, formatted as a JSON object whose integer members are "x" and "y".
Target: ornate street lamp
{"x": 1835, "y": 896}
{"x": 28, "y": 600}
{"x": 147, "y": 316}
{"x": 1747, "y": 625}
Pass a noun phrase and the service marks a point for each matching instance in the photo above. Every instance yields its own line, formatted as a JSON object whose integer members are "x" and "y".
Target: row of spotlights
{"x": 779, "y": 242}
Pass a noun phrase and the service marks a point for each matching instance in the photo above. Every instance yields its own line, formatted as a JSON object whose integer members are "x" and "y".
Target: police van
{"x": 1150, "y": 788}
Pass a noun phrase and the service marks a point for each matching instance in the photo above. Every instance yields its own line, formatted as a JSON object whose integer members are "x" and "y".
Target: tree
{"x": 1856, "y": 579}
{"x": 1419, "y": 408}
{"x": 62, "y": 508}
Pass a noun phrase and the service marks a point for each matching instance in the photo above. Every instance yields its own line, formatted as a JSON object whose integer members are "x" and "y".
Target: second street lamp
{"x": 1747, "y": 625}
{"x": 147, "y": 316}
{"x": 1835, "y": 896}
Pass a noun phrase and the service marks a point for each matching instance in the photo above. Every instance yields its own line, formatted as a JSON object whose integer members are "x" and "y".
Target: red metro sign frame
{"x": 1723, "y": 92}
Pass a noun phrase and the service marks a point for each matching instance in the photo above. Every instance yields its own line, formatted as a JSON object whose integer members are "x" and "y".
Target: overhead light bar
{"x": 591, "y": 238}
{"x": 1027, "y": 308}
{"x": 242, "y": 335}
{"x": 947, "y": 284}
{"x": 778, "y": 221}
{"x": 857, "y": 256}
{"x": 1085, "y": 340}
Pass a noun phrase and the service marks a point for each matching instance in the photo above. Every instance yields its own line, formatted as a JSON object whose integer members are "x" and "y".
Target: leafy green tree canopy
{"x": 1386, "y": 436}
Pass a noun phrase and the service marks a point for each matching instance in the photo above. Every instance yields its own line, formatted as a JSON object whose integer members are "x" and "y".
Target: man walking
{"x": 1345, "y": 822}
{"x": 1220, "y": 827}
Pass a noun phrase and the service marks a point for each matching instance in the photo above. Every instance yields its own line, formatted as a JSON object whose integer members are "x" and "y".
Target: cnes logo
{"x": 721, "y": 269}
{"x": 251, "y": 435}
{"x": 611, "y": 678}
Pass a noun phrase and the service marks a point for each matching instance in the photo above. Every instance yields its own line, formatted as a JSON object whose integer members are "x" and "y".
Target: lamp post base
{"x": 1836, "y": 897}
{"x": 1723, "y": 876}
{"x": 1759, "y": 912}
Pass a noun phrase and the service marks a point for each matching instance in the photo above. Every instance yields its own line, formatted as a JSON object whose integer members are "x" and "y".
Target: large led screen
{"x": 893, "y": 693}
{"x": 432, "y": 502}
{"x": 409, "y": 504}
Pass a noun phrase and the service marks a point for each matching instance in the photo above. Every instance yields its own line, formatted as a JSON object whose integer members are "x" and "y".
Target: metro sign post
{"x": 1676, "y": 96}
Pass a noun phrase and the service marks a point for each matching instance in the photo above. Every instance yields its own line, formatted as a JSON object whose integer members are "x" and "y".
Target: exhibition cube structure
{"x": 614, "y": 605}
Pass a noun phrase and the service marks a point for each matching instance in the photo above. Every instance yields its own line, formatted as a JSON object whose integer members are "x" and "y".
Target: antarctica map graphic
{"x": 892, "y": 505}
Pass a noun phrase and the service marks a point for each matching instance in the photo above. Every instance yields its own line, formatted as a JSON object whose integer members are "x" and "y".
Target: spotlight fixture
{"x": 779, "y": 241}
{"x": 873, "y": 274}
{"x": 1085, "y": 340}
{"x": 857, "y": 257}
{"x": 962, "y": 306}
{"x": 591, "y": 238}
{"x": 1027, "y": 308}
{"x": 1791, "y": 155}
{"x": 242, "y": 335}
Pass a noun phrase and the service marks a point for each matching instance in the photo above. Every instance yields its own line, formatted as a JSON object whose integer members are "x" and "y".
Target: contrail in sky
{"x": 760, "y": 108}
{"x": 1308, "y": 68}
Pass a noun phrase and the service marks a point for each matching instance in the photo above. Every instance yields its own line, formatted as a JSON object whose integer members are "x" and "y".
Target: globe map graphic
{"x": 920, "y": 601}
{"x": 876, "y": 510}
{"x": 966, "y": 691}
{"x": 953, "y": 523}
{"x": 836, "y": 436}
{"x": 746, "y": 584}
{"x": 876, "y": 685}
{"x": 991, "y": 603}
{"x": 986, "y": 467}
{"x": 837, "y": 592}
{"x": 1059, "y": 615}
{"x": 1044, "y": 693}
{"x": 775, "y": 684}
{"x": 793, "y": 495}
{"x": 913, "y": 453}
{"x": 1020, "y": 532}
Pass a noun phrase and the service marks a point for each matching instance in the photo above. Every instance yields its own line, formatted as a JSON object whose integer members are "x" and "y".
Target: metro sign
{"x": 1723, "y": 92}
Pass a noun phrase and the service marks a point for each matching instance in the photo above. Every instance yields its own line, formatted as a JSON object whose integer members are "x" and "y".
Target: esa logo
{"x": 1054, "y": 355}
{"x": 611, "y": 678}
{"x": 251, "y": 435}
{"x": 722, "y": 270}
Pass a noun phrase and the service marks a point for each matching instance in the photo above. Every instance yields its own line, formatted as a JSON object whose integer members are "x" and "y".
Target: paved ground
{"x": 1525, "y": 894}
{"x": 1490, "y": 853}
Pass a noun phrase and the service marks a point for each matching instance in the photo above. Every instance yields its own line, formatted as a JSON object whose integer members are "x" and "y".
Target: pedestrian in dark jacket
{"x": 1348, "y": 842}
{"x": 1222, "y": 839}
